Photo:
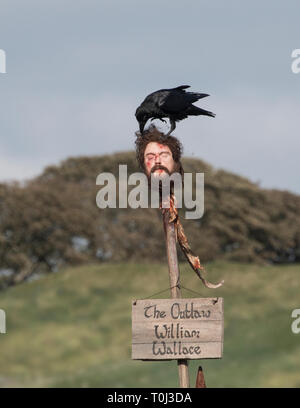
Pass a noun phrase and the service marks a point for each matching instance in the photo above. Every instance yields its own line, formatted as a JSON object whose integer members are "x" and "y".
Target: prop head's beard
{"x": 159, "y": 167}
{"x": 163, "y": 177}
{"x": 177, "y": 168}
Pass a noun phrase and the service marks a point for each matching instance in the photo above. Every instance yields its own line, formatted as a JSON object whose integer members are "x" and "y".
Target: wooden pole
{"x": 174, "y": 276}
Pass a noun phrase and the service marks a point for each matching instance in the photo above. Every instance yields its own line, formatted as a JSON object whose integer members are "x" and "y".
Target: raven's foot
{"x": 173, "y": 127}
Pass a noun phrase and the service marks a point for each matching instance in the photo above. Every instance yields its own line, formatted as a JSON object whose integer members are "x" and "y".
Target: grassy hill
{"x": 73, "y": 328}
{"x": 53, "y": 221}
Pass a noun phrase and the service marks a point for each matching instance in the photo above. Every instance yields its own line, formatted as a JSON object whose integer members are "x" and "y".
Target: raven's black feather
{"x": 175, "y": 104}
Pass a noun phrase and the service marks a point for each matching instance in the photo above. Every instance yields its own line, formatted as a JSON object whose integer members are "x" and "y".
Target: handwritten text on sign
{"x": 166, "y": 329}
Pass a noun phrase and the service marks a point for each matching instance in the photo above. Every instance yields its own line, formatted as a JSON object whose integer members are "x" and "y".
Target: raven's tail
{"x": 195, "y": 111}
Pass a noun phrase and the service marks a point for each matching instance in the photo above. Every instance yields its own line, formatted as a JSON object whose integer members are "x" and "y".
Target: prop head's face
{"x": 158, "y": 160}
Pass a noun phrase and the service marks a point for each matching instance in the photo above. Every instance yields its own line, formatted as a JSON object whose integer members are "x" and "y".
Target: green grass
{"x": 73, "y": 328}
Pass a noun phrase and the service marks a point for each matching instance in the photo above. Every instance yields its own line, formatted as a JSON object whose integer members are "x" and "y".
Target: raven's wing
{"x": 177, "y": 100}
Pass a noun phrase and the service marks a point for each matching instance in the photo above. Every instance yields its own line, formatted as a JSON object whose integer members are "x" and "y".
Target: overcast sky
{"x": 77, "y": 70}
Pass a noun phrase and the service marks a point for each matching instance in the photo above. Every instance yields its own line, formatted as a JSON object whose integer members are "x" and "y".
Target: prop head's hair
{"x": 153, "y": 135}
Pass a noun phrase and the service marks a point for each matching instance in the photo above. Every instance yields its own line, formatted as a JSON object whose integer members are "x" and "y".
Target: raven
{"x": 175, "y": 104}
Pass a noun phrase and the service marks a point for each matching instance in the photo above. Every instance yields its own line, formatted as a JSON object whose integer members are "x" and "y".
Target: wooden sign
{"x": 173, "y": 329}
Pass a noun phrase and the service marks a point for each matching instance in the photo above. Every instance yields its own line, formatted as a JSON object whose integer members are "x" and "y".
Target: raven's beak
{"x": 142, "y": 125}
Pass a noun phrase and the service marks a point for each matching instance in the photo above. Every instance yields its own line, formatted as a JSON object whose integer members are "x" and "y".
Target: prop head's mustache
{"x": 159, "y": 167}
